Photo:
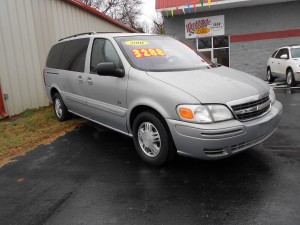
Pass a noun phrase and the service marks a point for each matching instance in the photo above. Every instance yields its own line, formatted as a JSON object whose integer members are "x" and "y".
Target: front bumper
{"x": 220, "y": 140}
{"x": 297, "y": 76}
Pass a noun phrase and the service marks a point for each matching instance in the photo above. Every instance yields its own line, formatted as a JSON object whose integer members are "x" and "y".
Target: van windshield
{"x": 160, "y": 53}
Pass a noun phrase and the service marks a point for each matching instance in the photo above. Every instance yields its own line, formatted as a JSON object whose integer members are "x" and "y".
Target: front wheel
{"x": 60, "y": 110}
{"x": 290, "y": 80}
{"x": 151, "y": 139}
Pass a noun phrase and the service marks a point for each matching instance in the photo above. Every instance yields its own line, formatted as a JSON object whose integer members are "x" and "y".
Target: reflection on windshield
{"x": 295, "y": 52}
{"x": 159, "y": 53}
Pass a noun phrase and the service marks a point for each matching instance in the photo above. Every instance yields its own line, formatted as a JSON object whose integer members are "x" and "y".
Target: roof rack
{"x": 89, "y": 33}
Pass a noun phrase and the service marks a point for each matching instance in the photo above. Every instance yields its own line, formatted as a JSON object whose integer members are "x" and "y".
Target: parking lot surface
{"x": 93, "y": 176}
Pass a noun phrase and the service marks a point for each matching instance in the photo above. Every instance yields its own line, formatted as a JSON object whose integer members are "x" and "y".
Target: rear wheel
{"x": 60, "y": 110}
{"x": 151, "y": 139}
{"x": 290, "y": 80}
{"x": 270, "y": 77}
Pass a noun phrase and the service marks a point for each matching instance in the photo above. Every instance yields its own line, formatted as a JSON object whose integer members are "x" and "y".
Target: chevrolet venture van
{"x": 161, "y": 93}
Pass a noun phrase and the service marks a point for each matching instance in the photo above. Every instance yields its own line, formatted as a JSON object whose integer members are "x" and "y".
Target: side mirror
{"x": 285, "y": 56}
{"x": 109, "y": 69}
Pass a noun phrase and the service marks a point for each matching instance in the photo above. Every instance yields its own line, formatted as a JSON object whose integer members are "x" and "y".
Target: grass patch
{"x": 31, "y": 128}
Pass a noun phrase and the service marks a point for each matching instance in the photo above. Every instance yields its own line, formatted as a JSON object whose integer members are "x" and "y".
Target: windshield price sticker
{"x": 136, "y": 43}
{"x": 147, "y": 52}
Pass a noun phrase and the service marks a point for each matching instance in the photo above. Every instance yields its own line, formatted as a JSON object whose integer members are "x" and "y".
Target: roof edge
{"x": 100, "y": 14}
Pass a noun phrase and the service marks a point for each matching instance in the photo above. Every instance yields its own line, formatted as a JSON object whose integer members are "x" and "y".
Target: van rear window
{"x": 68, "y": 55}
{"x": 74, "y": 55}
{"x": 54, "y": 56}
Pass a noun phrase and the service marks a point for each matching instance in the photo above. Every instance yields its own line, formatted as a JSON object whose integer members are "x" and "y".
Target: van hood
{"x": 217, "y": 85}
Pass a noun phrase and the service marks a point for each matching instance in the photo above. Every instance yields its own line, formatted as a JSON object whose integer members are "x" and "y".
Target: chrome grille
{"x": 251, "y": 108}
{"x": 250, "y": 104}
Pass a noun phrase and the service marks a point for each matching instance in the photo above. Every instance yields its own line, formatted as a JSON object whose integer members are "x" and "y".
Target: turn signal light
{"x": 186, "y": 113}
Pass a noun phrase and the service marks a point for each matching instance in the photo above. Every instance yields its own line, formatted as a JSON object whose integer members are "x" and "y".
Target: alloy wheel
{"x": 149, "y": 139}
{"x": 58, "y": 108}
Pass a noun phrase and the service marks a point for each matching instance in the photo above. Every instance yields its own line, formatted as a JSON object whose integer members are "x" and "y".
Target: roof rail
{"x": 89, "y": 33}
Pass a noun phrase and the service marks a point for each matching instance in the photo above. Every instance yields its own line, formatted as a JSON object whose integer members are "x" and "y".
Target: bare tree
{"x": 126, "y": 11}
{"x": 158, "y": 24}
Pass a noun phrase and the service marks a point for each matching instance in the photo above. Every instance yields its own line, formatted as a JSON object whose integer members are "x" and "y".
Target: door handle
{"x": 79, "y": 79}
{"x": 89, "y": 81}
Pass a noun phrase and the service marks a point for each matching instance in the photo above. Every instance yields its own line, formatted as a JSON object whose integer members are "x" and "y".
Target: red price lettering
{"x": 148, "y": 52}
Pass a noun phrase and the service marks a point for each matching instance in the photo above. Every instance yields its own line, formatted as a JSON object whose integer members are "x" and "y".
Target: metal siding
{"x": 28, "y": 28}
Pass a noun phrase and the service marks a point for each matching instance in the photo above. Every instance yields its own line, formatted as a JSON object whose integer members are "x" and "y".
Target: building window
{"x": 215, "y": 48}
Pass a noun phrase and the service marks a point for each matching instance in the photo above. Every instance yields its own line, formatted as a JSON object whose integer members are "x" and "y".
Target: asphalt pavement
{"x": 93, "y": 176}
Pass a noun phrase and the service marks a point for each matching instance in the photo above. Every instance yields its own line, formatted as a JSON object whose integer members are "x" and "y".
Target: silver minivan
{"x": 159, "y": 91}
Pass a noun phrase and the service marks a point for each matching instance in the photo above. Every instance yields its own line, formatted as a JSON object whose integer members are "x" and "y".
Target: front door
{"x": 106, "y": 95}
{"x": 280, "y": 64}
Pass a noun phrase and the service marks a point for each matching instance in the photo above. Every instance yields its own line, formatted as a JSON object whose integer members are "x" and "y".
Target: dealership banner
{"x": 204, "y": 27}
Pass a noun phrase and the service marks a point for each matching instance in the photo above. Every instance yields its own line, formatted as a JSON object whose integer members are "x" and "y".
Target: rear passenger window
{"x": 74, "y": 55}
{"x": 54, "y": 56}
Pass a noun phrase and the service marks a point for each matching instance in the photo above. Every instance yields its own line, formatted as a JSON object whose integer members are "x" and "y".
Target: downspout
{"x": 2, "y": 107}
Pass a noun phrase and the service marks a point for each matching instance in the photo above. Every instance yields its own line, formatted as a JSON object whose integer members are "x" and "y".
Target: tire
{"x": 270, "y": 77}
{"x": 290, "y": 79}
{"x": 60, "y": 110}
{"x": 152, "y": 140}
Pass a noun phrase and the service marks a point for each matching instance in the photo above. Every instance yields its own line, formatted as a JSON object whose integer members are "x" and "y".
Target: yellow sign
{"x": 203, "y": 30}
{"x": 136, "y": 43}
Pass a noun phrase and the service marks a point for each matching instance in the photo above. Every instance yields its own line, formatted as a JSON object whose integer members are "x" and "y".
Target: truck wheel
{"x": 290, "y": 80}
{"x": 60, "y": 110}
{"x": 151, "y": 139}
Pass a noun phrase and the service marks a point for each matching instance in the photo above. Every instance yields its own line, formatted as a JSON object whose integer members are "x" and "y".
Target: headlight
{"x": 297, "y": 64}
{"x": 272, "y": 95}
{"x": 204, "y": 113}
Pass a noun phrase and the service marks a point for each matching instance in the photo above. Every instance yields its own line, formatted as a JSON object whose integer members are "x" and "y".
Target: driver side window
{"x": 283, "y": 51}
{"x": 104, "y": 51}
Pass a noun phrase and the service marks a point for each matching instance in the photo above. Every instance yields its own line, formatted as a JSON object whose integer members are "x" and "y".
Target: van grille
{"x": 252, "y": 110}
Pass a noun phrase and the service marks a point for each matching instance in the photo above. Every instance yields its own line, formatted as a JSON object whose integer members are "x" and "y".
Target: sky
{"x": 149, "y": 7}
{"x": 148, "y": 11}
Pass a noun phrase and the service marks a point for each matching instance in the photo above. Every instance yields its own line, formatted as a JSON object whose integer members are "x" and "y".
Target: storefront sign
{"x": 204, "y": 27}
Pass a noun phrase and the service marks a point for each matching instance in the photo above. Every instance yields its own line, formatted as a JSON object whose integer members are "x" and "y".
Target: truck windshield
{"x": 295, "y": 52}
{"x": 160, "y": 53}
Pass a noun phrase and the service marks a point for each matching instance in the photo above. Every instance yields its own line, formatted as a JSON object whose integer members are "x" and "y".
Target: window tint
{"x": 54, "y": 56}
{"x": 104, "y": 51}
{"x": 204, "y": 43}
{"x": 281, "y": 52}
{"x": 74, "y": 55}
{"x": 273, "y": 55}
{"x": 221, "y": 42}
{"x": 221, "y": 56}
